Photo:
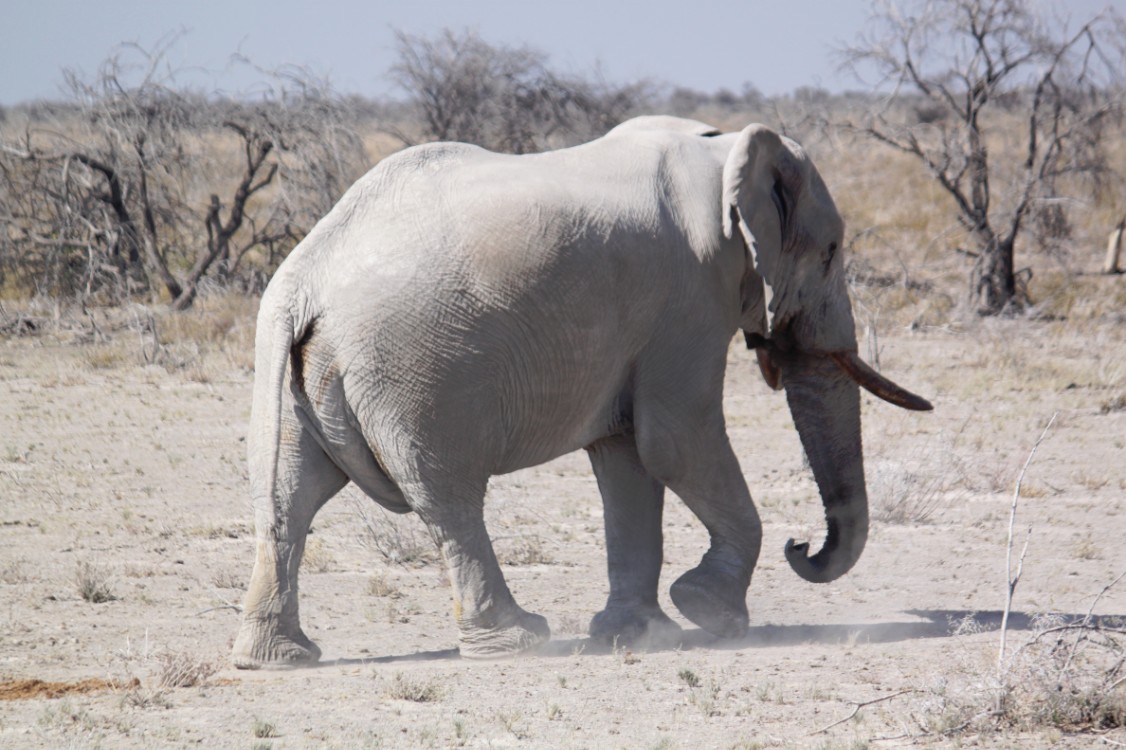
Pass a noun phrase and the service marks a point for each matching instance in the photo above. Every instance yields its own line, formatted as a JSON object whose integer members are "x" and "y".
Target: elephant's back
{"x": 493, "y": 304}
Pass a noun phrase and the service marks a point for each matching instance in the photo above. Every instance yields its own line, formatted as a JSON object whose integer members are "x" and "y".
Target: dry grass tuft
{"x": 93, "y": 583}
{"x": 917, "y": 487}
{"x": 405, "y": 688}
{"x": 1118, "y": 403}
{"x": 263, "y": 729}
{"x": 380, "y": 586}
{"x": 527, "y": 550}
{"x": 317, "y": 557}
{"x": 399, "y": 539}
{"x": 181, "y": 669}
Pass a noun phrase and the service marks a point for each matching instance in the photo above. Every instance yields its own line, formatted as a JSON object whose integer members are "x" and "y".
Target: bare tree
{"x": 130, "y": 187}
{"x": 99, "y": 183}
{"x": 967, "y": 65}
{"x": 503, "y": 98}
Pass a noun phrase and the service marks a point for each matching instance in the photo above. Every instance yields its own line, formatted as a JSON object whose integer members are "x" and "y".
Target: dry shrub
{"x": 380, "y": 586}
{"x": 13, "y": 572}
{"x": 408, "y": 689}
{"x": 1060, "y": 294}
{"x": 916, "y": 487}
{"x": 181, "y": 669}
{"x": 263, "y": 729}
{"x": 104, "y": 356}
{"x": 1067, "y": 676}
{"x": 1118, "y": 403}
{"x": 399, "y": 539}
{"x": 93, "y": 583}
{"x": 524, "y": 551}
{"x": 217, "y": 331}
{"x": 317, "y": 557}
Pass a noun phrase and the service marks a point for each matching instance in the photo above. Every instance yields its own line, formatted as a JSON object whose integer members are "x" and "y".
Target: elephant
{"x": 461, "y": 314}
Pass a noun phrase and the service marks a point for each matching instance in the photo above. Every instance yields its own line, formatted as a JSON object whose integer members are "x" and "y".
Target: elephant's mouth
{"x": 767, "y": 350}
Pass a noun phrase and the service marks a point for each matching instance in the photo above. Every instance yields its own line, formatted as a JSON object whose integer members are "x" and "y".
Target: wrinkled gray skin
{"x": 461, "y": 314}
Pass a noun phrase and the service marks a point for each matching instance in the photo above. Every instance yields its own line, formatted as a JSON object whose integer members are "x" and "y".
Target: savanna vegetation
{"x": 999, "y": 145}
{"x": 980, "y": 172}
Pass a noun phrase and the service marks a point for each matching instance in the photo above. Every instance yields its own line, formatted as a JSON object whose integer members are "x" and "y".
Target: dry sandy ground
{"x": 134, "y": 477}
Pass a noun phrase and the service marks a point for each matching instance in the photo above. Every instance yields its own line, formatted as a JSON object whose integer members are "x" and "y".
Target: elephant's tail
{"x": 282, "y": 320}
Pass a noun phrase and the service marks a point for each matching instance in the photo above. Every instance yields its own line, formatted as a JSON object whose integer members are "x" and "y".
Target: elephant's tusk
{"x": 877, "y": 384}
{"x": 770, "y": 372}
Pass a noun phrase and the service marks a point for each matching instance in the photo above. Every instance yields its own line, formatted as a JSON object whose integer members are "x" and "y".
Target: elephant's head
{"x": 798, "y": 318}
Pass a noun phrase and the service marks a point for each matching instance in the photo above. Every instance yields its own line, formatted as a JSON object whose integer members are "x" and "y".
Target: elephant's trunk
{"x": 825, "y": 404}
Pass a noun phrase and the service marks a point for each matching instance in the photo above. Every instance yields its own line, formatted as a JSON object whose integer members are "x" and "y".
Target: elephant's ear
{"x": 758, "y": 196}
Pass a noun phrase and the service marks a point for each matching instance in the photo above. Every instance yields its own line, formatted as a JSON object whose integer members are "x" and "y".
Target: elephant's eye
{"x": 832, "y": 250}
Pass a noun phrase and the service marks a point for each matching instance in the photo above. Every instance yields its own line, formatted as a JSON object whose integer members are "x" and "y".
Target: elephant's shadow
{"x": 930, "y": 623}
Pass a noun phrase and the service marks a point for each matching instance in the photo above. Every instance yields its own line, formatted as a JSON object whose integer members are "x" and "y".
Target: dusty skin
{"x": 132, "y": 478}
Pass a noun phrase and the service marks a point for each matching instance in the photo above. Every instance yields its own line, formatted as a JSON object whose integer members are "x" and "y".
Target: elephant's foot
{"x": 260, "y": 645}
{"x": 644, "y": 626}
{"x": 713, "y": 601}
{"x": 525, "y": 632}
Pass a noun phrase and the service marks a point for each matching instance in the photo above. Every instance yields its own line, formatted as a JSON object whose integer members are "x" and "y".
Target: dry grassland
{"x": 126, "y": 540}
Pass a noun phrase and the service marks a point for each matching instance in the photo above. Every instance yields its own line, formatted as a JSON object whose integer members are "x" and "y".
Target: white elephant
{"x": 461, "y": 314}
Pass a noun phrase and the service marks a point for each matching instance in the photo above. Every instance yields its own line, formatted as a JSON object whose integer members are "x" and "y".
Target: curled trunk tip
{"x": 835, "y": 558}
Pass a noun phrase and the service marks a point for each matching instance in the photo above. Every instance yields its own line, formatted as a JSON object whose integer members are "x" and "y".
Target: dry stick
{"x": 1012, "y": 582}
{"x": 857, "y": 706}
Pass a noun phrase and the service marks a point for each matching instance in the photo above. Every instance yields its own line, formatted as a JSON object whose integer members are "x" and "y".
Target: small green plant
{"x": 689, "y": 678}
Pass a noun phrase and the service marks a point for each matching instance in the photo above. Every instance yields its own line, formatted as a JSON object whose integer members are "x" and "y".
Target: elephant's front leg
{"x": 490, "y": 622}
{"x": 692, "y": 456}
{"x": 632, "y": 503}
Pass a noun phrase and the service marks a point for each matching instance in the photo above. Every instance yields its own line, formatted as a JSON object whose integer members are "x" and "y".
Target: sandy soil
{"x": 133, "y": 478}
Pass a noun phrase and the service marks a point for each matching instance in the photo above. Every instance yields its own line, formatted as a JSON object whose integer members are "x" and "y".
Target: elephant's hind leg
{"x": 632, "y": 506}
{"x": 490, "y": 622}
{"x": 271, "y": 632}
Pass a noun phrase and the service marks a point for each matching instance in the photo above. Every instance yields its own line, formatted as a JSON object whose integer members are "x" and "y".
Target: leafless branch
{"x": 863, "y": 704}
{"x": 1011, "y": 578}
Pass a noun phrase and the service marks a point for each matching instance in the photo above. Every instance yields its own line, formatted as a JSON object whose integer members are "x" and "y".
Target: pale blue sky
{"x": 704, "y": 44}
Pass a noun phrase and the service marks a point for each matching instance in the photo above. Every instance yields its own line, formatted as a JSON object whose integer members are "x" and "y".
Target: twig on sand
{"x": 856, "y": 706}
